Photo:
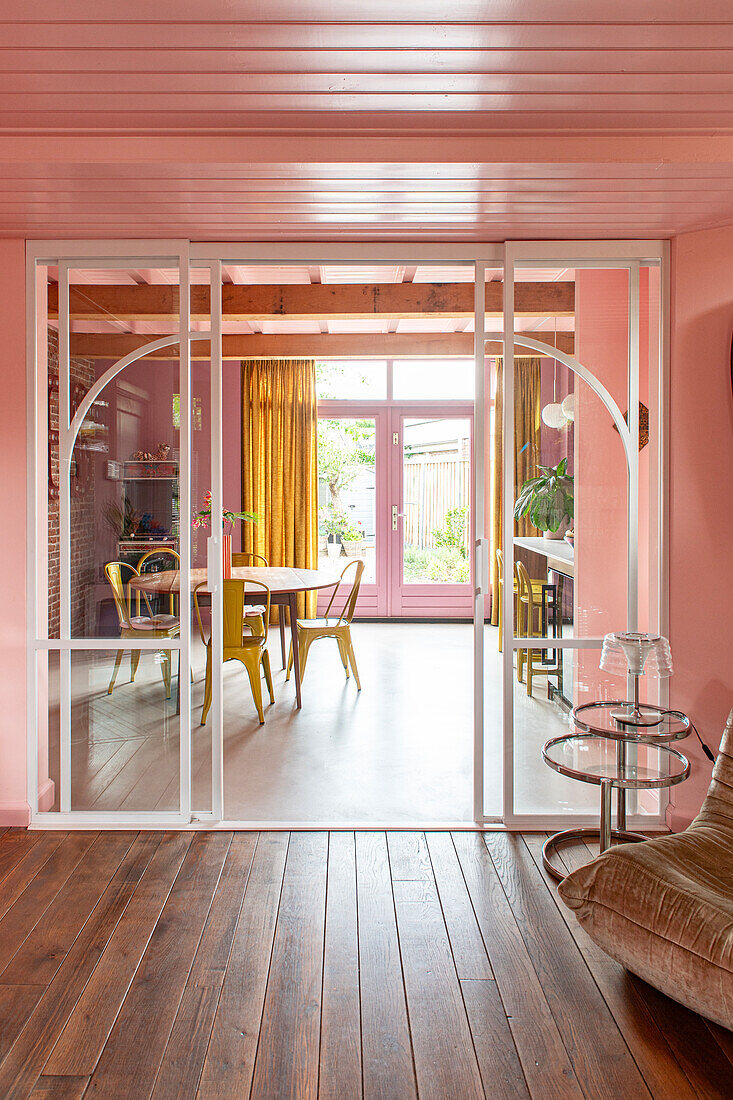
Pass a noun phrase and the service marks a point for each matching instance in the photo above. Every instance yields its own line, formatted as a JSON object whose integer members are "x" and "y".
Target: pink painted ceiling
{"x": 342, "y": 119}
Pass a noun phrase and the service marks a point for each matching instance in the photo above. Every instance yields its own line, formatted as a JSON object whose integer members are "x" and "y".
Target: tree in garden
{"x": 345, "y": 447}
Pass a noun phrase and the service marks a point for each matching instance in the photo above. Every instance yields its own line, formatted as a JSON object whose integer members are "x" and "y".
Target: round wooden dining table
{"x": 284, "y": 582}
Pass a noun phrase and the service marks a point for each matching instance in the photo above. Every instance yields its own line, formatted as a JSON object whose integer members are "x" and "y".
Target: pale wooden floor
{"x": 341, "y": 965}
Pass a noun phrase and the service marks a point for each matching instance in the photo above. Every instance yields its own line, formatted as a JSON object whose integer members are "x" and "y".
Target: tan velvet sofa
{"x": 664, "y": 908}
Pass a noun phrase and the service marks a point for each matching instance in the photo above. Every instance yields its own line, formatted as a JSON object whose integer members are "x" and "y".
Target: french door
{"x": 395, "y": 490}
{"x": 430, "y": 523}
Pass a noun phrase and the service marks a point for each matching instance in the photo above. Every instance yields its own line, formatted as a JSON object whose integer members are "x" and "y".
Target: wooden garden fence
{"x": 432, "y": 488}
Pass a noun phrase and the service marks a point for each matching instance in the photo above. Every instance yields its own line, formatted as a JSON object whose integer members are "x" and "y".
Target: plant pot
{"x": 322, "y": 544}
{"x": 353, "y": 547}
{"x": 334, "y": 549}
{"x": 559, "y": 535}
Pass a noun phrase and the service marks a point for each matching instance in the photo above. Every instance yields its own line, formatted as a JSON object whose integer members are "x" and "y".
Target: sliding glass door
{"x": 132, "y": 409}
{"x": 126, "y": 445}
{"x": 578, "y": 396}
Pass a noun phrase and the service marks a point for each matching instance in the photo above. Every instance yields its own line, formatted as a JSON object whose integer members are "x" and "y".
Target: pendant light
{"x": 552, "y": 414}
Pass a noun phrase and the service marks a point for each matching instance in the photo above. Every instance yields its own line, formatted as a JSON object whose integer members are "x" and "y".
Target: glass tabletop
{"x": 598, "y": 718}
{"x": 628, "y": 765}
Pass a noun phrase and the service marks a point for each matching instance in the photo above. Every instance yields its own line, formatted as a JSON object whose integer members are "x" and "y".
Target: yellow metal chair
{"x": 164, "y": 550}
{"x": 133, "y": 626}
{"x": 254, "y": 612}
{"x": 248, "y": 557}
{"x": 530, "y": 626}
{"x": 250, "y": 649}
{"x": 310, "y": 630}
{"x": 536, "y": 584}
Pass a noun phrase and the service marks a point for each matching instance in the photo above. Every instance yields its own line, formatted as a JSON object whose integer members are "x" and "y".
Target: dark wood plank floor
{"x": 400, "y": 965}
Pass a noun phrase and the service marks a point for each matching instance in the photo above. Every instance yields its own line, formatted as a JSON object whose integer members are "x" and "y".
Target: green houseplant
{"x": 548, "y": 500}
{"x": 352, "y": 539}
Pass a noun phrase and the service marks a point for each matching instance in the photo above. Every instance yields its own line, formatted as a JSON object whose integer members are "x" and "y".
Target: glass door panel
{"x": 431, "y": 523}
{"x": 351, "y": 502}
{"x": 347, "y": 492}
{"x": 111, "y": 736}
{"x": 581, "y": 522}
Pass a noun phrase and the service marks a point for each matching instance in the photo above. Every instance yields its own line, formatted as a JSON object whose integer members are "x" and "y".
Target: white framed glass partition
{"x": 109, "y": 711}
{"x": 168, "y": 392}
{"x": 599, "y": 408}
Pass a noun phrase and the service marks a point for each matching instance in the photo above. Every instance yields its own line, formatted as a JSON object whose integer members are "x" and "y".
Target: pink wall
{"x": 13, "y": 805}
{"x": 600, "y": 471}
{"x": 701, "y": 497}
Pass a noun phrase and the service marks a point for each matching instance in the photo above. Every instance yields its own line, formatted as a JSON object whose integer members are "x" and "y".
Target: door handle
{"x": 395, "y": 516}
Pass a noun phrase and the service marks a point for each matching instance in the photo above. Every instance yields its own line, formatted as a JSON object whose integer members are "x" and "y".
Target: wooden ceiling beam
{"x": 323, "y": 301}
{"x": 113, "y": 346}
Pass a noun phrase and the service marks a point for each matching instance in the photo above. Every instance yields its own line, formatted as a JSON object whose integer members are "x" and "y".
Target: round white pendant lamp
{"x": 568, "y": 407}
{"x": 553, "y": 416}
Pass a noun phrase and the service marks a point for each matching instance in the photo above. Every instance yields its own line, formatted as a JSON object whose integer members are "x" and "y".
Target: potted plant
{"x": 352, "y": 539}
{"x": 548, "y": 500}
{"x": 334, "y": 522}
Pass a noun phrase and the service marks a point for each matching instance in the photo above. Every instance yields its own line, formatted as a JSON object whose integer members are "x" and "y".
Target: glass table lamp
{"x": 636, "y": 654}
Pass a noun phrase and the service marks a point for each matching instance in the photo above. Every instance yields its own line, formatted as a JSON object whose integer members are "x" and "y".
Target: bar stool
{"x": 537, "y": 583}
{"x": 530, "y": 625}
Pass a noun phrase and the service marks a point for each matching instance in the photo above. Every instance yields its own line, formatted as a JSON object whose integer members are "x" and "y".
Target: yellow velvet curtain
{"x": 279, "y": 464}
{"x": 527, "y": 421}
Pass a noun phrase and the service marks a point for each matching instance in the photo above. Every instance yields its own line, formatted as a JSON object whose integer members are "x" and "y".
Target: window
{"x": 433, "y": 379}
{"x": 352, "y": 379}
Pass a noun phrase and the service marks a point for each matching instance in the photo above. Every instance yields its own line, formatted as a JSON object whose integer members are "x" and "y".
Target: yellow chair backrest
{"x": 523, "y": 582}
{"x": 349, "y": 607}
{"x": 248, "y": 557}
{"x": 233, "y": 600}
{"x": 113, "y": 571}
{"x": 156, "y": 554}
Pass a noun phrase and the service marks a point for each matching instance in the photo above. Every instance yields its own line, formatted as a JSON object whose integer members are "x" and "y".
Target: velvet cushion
{"x": 664, "y": 908}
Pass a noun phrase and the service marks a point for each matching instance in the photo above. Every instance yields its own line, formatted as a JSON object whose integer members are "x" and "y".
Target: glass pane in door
{"x": 436, "y": 493}
{"x": 347, "y": 492}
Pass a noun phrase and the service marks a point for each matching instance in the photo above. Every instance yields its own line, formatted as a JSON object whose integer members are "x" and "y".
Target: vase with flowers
{"x": 228, "y": 519}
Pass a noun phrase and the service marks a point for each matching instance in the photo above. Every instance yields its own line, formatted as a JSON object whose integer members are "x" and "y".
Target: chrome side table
{"x": 662, "y": 727}
{"x": 603, "y": 759}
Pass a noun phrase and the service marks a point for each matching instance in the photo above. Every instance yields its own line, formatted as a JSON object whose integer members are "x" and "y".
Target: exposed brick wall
{"x": 83, "y": 566}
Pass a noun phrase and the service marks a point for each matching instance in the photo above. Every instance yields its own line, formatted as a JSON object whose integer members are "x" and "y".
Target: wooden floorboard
{"x": 340, "y": 1076}
{"x": 133, "y": 1052}
{"x": 82, "y": 1040}
{"x": 600, "y": 1057}
{"x": 288, "y": 1048}
{"x": 322, "y": 966}
{"x": 184, "y": 1056}
{"x": 387, "y": 1061}
{"x": 25, "y": 1061}
{"x": 230, "y": 1059}
{"x": 631, "y": 1011}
